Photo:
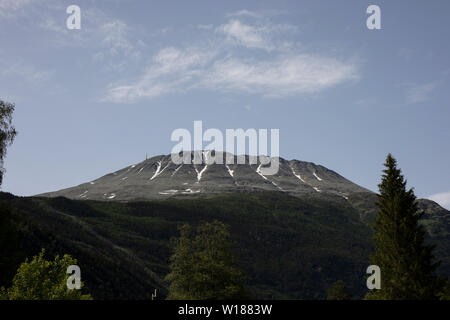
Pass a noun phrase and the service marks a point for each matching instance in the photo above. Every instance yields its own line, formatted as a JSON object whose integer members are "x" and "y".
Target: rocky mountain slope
{"x": 159, "y": 178}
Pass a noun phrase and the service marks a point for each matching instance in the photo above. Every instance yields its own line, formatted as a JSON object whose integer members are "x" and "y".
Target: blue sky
{"x": 94, "y": 100}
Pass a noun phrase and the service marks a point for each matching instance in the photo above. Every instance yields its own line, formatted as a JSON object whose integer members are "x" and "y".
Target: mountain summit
{"x": 159, "y": 177}
{"x": 296, "y": 232}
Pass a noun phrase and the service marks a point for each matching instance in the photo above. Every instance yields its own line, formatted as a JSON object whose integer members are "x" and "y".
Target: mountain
{"x": 160, "y": 178}
{"x": 294, "y": 233}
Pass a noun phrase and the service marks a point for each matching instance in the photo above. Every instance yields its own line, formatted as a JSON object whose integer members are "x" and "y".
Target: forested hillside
{"x": 288, "y": 247}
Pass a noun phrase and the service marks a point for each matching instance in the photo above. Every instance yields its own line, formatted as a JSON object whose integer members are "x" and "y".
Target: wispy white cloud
{"x": 244, "y": 12}
{"x": 232, "y": 66}
{"x": 108, "y": 37}
{"x": 172, "y": 70}
{"x": 19, "y": 78}
{"x": 175, "y": 70}
{"x": 115, "y": 37}
{"x": 161, "y": 31}
{"x": 50, "y": 24}
{"x": 25, "y": 72}
{"x": 9, "y": 7}
{"x": 246, "y": 35}
{"x": 282, "y": 76}
{"x": 261, "y": 36}
{"x": 419, "y": 93}
{"x": 442, "y": 198}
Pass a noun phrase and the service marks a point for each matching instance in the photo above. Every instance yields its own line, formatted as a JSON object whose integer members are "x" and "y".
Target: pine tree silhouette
{"x": 406, "y": 262}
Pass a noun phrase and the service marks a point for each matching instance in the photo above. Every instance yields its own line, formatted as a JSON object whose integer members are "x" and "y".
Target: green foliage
{"x": 202, "y": 266}
{"x": 445, "y": 292}
{"x": 289, "y": 248}
{"x": 40, "y": 279}
{"x": 338, "y": 291}
{"x": 10, "y": 253}
{"x": 7, "y": 132}
{"x": 406, "y": 262}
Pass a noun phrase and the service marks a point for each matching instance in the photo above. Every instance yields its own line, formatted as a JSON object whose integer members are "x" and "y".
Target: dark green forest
{"x": 288, "y": 248}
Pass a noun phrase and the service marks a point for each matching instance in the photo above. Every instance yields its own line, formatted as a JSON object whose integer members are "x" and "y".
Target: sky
{"x": 95, "y": 100}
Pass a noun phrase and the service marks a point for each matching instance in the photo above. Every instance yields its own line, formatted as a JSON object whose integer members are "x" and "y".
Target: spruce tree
{"x": 202, "y": 265}
{"x": 406, "y": 262}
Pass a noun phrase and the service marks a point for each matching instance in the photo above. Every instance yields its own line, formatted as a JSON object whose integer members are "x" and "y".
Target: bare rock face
{"x": 159, "y": 177}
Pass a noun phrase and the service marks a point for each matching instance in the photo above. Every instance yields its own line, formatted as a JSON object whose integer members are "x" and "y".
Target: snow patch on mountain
{"x": 83, "y": 195}
{"x": 188, "y": 191}
{"x": 200, "y": 173}
{"x": 231, "y": 172}
{"x": 297, "y": 175}
{"x": 158, "y": 169}
{"x": 141, "y": 169}
{"x": 178, "y": 168}
{"x": 258, "y": 171}
{"x": 171, "y": 191}
{"x": 315, "y": 175}
{"x": 294, "y": 177}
